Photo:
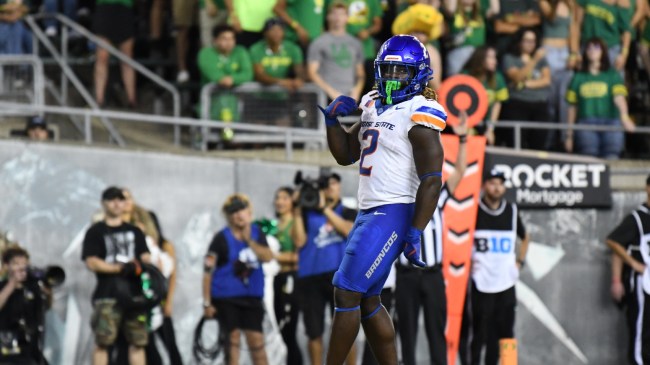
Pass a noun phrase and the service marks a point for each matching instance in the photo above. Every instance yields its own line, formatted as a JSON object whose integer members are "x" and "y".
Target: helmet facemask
{"x": 397, "y": 81}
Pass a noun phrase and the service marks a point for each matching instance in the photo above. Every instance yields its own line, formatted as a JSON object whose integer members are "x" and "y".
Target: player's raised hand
{"x": 412, "y": 247}
{"x": 461, "y": 129}
{"x": 340, "y": 107}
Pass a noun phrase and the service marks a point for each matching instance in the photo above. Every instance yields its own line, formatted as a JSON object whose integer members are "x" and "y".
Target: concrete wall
{"x": 49, "y": 193}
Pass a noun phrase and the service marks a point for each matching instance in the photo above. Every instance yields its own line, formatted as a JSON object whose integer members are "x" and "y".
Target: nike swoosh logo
{"x": 398, "y": 107}
{"x": 378, "y": 213}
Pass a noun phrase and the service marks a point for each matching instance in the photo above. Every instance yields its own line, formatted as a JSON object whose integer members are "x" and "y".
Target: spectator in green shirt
{"x": 606, "y": 20}
{"x": 597, "y": 97}
{"x": 482, "y": 65}
{"x": 277, "y": 61}
{"x": 364, "y": 21}
{"x": 228, "y": 65}
{"x": 304, "y": 17}
{"x": 467, "y": 31}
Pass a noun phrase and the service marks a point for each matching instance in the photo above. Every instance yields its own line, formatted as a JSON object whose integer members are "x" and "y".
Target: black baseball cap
{"x": 272, "y": 22}
{"x": 494, "y": 173}
{"x": 235, "y": 203}
{"x": 112, "y": 193}
{"x": 334, "y": 175}
{"x": 36, "y": 122}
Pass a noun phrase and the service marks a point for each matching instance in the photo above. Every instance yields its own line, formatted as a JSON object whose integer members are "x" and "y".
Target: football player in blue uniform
{"x": 398, "y": 146}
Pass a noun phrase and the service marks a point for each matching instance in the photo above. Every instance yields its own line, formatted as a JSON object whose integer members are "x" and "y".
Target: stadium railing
{"x": 22, "y": 79}
{"x": 260, "y": 105}
{"x": 68, "y": 75}
{"x": 518, "y": 126}
{"x": 285, "y": 135}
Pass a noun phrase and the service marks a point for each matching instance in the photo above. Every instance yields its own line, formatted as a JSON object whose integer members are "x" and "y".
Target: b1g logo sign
{"x": 493, "y": 244}
{"x": 551, "y": 183}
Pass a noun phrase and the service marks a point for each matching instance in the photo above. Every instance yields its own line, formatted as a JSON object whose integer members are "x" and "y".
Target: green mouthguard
{"x": 390, "y": 86}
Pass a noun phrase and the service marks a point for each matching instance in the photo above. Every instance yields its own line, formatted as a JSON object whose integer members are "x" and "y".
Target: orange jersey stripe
{"x": 429, "y": 119}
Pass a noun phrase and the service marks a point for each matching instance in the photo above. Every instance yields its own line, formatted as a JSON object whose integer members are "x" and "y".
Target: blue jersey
{"x": 238, "y": 272}
{"x": 325, "y": 247}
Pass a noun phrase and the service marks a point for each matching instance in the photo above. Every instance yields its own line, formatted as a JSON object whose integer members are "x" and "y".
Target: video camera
{"x": 50, "y": 276}
{"x": 310, "y": 188}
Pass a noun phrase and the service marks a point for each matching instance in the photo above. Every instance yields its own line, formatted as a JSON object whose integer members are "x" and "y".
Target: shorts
{"x": 246, "y": 313}
{"x": 107, "y": 319}
{"x": 185, "y": 12}
{"x": 315, "y": 292}
{"x": 375, "y": 242}
{"x": 114, "y": 22}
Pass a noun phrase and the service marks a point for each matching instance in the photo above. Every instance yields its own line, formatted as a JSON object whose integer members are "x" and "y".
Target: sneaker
{"x": 51, "y": 31}
{"x": 182, "y": 77}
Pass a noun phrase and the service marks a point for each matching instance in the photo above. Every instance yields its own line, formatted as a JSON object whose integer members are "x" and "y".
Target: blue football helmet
{"x": 402, "y": 68}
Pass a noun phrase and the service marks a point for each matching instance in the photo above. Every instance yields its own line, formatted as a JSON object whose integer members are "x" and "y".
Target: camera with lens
{"x": 50, "y": 276}
{"x": 310, "y": 189}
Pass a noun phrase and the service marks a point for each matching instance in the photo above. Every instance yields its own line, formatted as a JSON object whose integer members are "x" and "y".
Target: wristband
{"x": 294, "y": 24}
{"x": 462, "y": 138}
{"x": 521, "y": 263}
{"x": 438, "y": 174}
{"x": 207, "y": 304}
{"x": 332, "y": 122}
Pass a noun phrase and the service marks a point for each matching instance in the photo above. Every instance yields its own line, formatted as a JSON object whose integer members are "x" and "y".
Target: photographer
{"x": 114, "y": 251}
{"x": 321, "y": 236}
{"x": 21, "y": 310}
{"x": 233, "y": 280}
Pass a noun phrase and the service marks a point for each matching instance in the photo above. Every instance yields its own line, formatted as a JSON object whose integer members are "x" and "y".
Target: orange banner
{"x": 459, "y": 218}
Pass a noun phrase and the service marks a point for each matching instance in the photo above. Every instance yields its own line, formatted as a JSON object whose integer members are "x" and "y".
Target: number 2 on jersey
{"x": 373, "y": 134}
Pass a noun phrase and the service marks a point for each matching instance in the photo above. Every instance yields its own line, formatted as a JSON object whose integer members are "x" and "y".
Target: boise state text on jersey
{"x": 386, "y": 166}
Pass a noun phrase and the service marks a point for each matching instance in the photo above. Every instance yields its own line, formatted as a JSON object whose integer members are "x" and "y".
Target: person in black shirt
{"x": 114, "y": 250}
{"x": 21, "y": 311}
{"x": 630, "y": 242}
{"x": 233, "y": 280}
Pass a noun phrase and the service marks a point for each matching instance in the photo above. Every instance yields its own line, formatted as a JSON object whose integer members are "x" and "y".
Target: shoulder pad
{"x": 428, "y": 113}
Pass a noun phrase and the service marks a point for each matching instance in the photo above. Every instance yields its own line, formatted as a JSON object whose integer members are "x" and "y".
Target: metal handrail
{"x": 250, "y": 87}
{"x": 519, "y": 125}
{"x": 290, "y": 134}
{"x": 176, "y": 96}
{"x": 38, "y": 33}
{"x": 39, "y": 75}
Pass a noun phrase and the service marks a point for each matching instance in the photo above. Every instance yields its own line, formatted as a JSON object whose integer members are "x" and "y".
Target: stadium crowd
{"x": 549, "y": 61}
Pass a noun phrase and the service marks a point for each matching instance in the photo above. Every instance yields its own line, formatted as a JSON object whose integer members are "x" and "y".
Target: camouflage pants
{"x": 108, "y": 319}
